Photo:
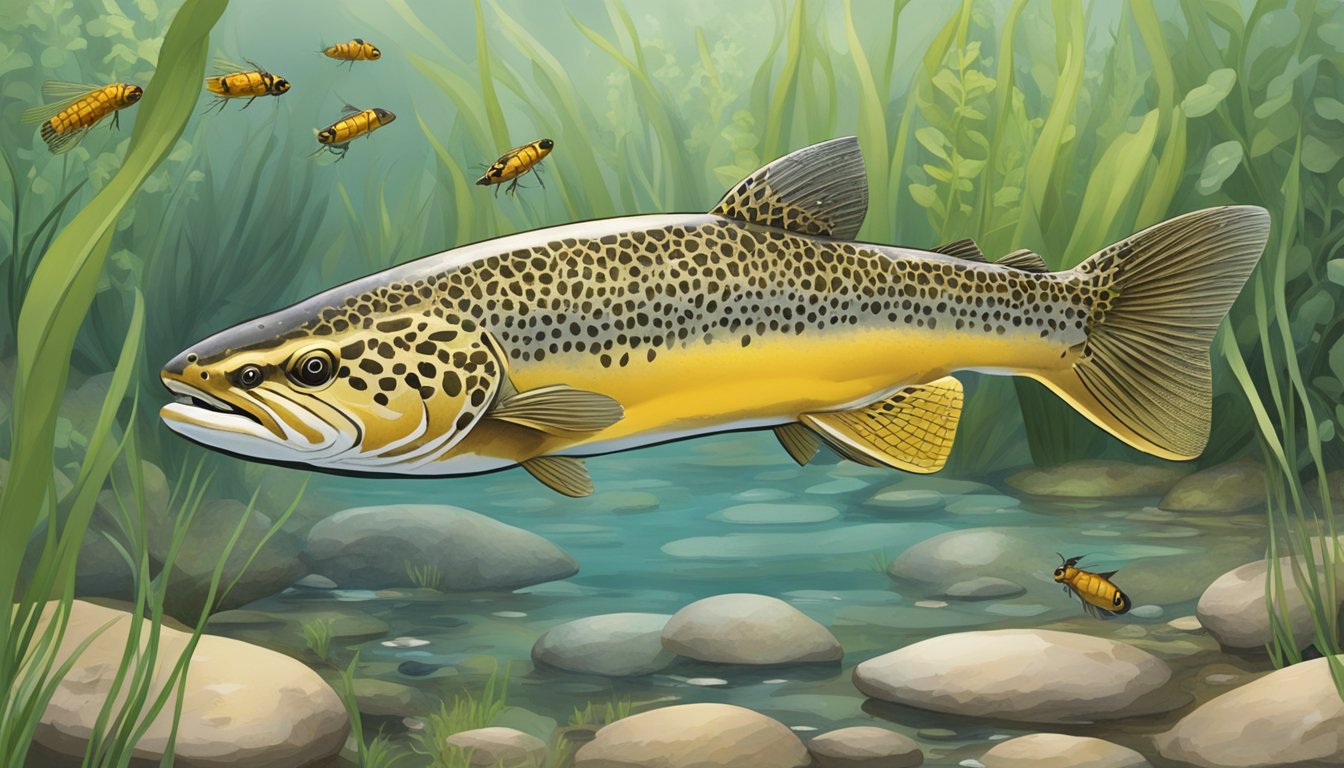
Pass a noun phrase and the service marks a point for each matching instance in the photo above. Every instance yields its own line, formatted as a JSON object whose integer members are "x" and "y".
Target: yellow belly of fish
{"x": 726, "y": 386}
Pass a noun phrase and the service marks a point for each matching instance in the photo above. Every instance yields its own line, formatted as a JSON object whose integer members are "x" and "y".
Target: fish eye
{"x": 313, "y": 369}
{"x": 249, "y": 376}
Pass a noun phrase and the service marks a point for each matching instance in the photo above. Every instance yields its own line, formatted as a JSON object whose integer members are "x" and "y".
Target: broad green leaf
{"x": 1318, "y": 156}
{"x": 924, "y": 195}
{"x": 933, "y": 140}
{"x": 1278, "y": 129}
{"x": 1221, "y": 162}
{"x": 1330, "y": 109}
{"x": 1334, "y": 271}
{"x": 1203, "y": 99}
{"x": 1337, "y": 358}
{"x": 1280, "y": 89}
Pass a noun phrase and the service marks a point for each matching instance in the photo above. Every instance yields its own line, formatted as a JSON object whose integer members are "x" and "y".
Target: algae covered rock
{"x": 613, "y": 645}
{"x": 1098, "y": 478}
{"x": 748, "y": 629}
{"x": 1230, "y": 487}
{"x": 1291, "y": 716}
{"x": 1028, "y": 675}
{"x": 1056, "y": 750}
{"x": 694, "y": 736}
{"x": 377, "y": 547}
{"x": 243, "y": 706}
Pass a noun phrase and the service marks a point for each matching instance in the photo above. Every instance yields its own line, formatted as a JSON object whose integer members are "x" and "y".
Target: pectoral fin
{"x": 557, "y": 409}
{"x": 911, "y": 430}
{"x": 801, "y": 442}
{"x": 562, "y": 474}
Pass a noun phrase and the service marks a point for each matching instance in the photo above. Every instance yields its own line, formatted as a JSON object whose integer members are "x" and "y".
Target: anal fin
{"x": 911, "y": 430}
{"x": 562, "y": 474}
{"x": 801, "y": 442}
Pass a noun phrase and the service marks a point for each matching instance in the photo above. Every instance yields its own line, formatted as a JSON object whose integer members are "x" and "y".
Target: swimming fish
{"x": 516, "y": 162}
{"x": 77, "y": 107}
{"x": 543, "y": 347}
{"x": 336, "y": 138}
{"x": 1099, "y": 596}
{"x": 243, "y": 83}
{"x": 355, "y": 50}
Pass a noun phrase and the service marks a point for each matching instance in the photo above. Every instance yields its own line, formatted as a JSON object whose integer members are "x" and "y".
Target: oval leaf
{"x": 1219, "y": 164}
{"x": 1203, "y": 99}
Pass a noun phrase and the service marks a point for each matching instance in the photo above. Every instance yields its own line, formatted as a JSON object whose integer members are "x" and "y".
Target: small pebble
{"x": 413, "y": 723}
{"x": 509, "y": 614}
{"x": 405, "y": 642}
{"x": 706, "y": 681}
{"x": 1147, "y": 611}
{"x": 971, "y": 764}
{"x": 930, "y": 604}
{"x": 315, "y": 581}
{"x": 1000, "y": 737}
{"x": 1220, "y": 679}
{"x": 1186, "y": 624}
{"x": 801, "y": 728}
{"x": 936, "y": 734}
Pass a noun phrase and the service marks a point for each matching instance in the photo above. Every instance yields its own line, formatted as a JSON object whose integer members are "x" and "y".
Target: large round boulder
{"x": 243, "y": 706}
{"x": 748, "y": 629}
{"x": 1233, "y": 611}
{"x": 613, "y": 645}
{"x": 694, "y": 736}
{"x": 1097, "y": 478}
{"x": 1012, "y": 557}
{"x": 1055, "y": 750}
{"x": 377, "y": 547}
{"x": 1029, "y": 675}
{"x": 865, "y": 747}
{"x": 1292, "y": 716}
{"x": 1230, "y": 487}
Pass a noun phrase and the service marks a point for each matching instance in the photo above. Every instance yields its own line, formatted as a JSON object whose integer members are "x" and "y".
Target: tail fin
{"x": 1143, "y": 374}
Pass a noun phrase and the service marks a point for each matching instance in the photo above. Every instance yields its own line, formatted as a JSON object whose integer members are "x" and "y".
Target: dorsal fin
{"x": 818, "y": 190}
{"x": 964, "y": 248}
{"x": 1026, "y": 260}
{"x": 911, "y": 430}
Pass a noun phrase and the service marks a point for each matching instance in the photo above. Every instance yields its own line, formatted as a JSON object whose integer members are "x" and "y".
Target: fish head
{"x": 346, "y": 390}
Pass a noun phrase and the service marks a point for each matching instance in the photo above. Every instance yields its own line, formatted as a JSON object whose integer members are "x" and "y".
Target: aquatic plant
{"x": 467, "y": 712}
{"x": 317, "y": 636}
{"x": 378, "y": 752}
{"x": 592, "y": 714}
{"x": 59, "y": 296}
{"x": 425, "y": 576}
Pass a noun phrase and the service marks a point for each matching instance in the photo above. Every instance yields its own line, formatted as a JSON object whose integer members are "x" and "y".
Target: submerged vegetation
{"x": 1042, "y": 124}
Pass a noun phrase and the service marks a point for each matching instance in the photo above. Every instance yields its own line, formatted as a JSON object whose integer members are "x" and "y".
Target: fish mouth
{"x": 187, "y": 397}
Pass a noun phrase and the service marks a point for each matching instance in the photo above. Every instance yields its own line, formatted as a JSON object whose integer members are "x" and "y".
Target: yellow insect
{"x": 515, "y": 163}
{"x": 241, "y": 83}
{"x": 74, "y": 108}
{"x": 355, "y": 50}
{"x": 336, "y": 137}
{"x": 1099, "y": 596}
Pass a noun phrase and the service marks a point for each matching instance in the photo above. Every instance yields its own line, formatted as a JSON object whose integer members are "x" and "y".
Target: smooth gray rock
{"x": 1016, "y": 555}
{"x": 1291, "y": 716}
{"x": 375, "y": 547}
{"x": 983, "y": 588}
{"x": 694, "y": 736}
{"x": 1028, "y": 675}
{"x": 500, "y": 748}
{"x": 748, "y": 629}
{"x": 1055, "y": 750}
{"x": 613, "y": 645}
{"x": 865, "y": 747}
{"x": 1232, "y": 609}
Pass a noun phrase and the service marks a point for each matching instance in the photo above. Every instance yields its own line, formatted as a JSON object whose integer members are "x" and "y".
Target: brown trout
{"x": 543, "y": 347}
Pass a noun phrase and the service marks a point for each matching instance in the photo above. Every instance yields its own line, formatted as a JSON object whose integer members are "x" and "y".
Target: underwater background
{"x": 419, "y": 609}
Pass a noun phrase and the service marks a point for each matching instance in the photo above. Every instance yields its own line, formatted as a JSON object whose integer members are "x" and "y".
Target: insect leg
{"x": 249, "y": 102}
{"x": 537, "y": 169}
{"x": 116, "y": 121}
